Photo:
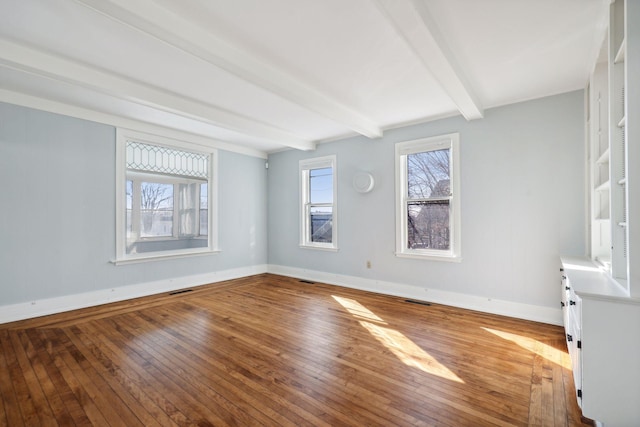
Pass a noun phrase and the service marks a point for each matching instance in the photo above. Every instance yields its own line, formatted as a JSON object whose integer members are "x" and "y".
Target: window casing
{"x": 165, "y": 198}
{"x": 428, "y": 198}
{"x": 318, "y": 211}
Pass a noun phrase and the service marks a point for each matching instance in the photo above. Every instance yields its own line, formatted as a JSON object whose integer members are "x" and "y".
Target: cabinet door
{"x": 572, "y": 311}
{"x": 575, "y": 352}
{"x": 564, "y": 299}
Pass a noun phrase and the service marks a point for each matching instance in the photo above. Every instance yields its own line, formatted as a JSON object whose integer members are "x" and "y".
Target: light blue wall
{"x": 522, "y": 193}
{"x": 57, "y": 222}
{"x": 522, "y": 205}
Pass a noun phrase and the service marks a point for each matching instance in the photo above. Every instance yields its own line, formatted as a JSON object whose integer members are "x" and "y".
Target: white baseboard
{"x": 488, "y": 305}
{"x": 37, "y": 308}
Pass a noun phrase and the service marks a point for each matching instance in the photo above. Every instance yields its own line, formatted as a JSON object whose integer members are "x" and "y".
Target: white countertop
{"x": 588, "y": 279}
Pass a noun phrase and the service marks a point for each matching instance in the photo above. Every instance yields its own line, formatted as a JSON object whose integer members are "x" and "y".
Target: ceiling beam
{"x": 176, "y": 31}
{"x": 53, "y": 106}
{"x": 413, "y": 22}
{"x": 27, "y": 59}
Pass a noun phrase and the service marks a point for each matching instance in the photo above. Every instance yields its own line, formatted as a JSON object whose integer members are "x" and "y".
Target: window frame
{"x": 402, "y": 150}
{"x": 305, "y": 166}
{"x": 123, "y": 175}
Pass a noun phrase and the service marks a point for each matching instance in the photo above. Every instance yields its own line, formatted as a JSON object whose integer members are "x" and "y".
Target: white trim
{"x": 44, "y": 104}
{"x": 316, "y": 246}
{"x": 43, "y": 307}
{"x": 305, "y": 165}
{"x": 318, "y": 162}
{"x": 174, "y": 30}
{"x": 516, "y": 310}
{"x": 424, "y": 255}
{"x": 163, "y": 256}
{"x": 23, "y": 58}
{"x": 165, "y": 178}
{"x": 214, "y": 206}
{"x": 414, "y": 23}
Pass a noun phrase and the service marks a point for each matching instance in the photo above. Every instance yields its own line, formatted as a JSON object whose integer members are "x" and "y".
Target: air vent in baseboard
{"x": 181, "y": 292}
{"x": 412, "y": 301}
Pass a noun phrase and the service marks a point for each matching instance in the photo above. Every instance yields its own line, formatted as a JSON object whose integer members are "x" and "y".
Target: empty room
{"x": 320, "y": 213}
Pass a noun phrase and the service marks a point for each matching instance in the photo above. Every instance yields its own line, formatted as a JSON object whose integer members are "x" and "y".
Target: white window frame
{"x": 305, "y": 205}
{"x": 402, "y": 150}
{"x": 124, "y": 135}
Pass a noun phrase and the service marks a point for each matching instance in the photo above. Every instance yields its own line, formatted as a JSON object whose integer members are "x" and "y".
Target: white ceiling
{"x": 258, "y": 76}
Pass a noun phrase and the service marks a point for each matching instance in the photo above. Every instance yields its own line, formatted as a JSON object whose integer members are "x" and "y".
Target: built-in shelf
{"x": 604, "y": 157}
{"x": 601, "y": 317}
{"x": 620, "y": 54}
{"x": 604, "y": 261}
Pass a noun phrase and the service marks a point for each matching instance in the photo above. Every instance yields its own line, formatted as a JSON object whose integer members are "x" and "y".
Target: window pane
{"x": 187, "y": 206}
{"x": 156, "y": 209}
{"x": 129, "y": 202}
{"x": 204, "y": 211}
{"x": 428, "y": 174}
{"x": 321, "y": 224}
{"x": 321, "y": 185}
{"x": 428, "y": 225}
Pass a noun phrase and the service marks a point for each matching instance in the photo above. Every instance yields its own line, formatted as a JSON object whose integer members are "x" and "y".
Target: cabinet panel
{"x": 572, "y": 313}
{"x": 602, "y": 324}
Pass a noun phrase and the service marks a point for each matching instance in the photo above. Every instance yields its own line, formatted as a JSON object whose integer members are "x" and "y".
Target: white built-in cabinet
{"x": 601, "y": 293}
{"x": 602, "y": 326}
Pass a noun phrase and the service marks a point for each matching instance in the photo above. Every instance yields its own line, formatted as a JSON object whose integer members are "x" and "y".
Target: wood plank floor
{"x": 274, "y": 351}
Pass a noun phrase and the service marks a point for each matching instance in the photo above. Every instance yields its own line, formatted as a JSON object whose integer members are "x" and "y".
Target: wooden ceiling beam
{"x": 30, "y": 60}
{"x": 176, "y": 31}
{"x": 413, "y": 23}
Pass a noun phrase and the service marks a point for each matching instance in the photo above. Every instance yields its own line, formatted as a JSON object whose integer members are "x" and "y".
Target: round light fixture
{"x": 363, "y": 182}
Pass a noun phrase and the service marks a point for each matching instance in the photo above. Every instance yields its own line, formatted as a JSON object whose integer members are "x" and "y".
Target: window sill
{"x": 428, "y": 257}
{"x": 167, "y": 238}
{"x": 161, "y": 256}
{"x": 321, "y": 248}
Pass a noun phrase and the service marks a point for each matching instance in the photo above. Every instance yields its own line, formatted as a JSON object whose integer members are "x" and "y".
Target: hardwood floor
{"x": 269, "y": 350}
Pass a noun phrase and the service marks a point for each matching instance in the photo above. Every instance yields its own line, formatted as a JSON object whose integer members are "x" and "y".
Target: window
{"x": 318, "y": 203}
{"x": 428, "y": 198}
{"x": 164, "y": 197}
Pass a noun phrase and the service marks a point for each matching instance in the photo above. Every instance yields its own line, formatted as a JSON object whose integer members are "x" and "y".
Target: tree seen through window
{"x": 428, "y": 200}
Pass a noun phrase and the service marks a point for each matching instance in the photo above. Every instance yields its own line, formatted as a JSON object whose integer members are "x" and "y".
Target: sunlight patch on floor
{"x": 548, "y": 352}
{"x": 357, "y": 309}
{"x": 408, "y": 352}
{"x": 402, "y": 347}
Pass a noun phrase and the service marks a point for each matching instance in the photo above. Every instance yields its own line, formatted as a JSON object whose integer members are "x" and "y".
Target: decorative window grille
{"x": 170, "y": 161}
